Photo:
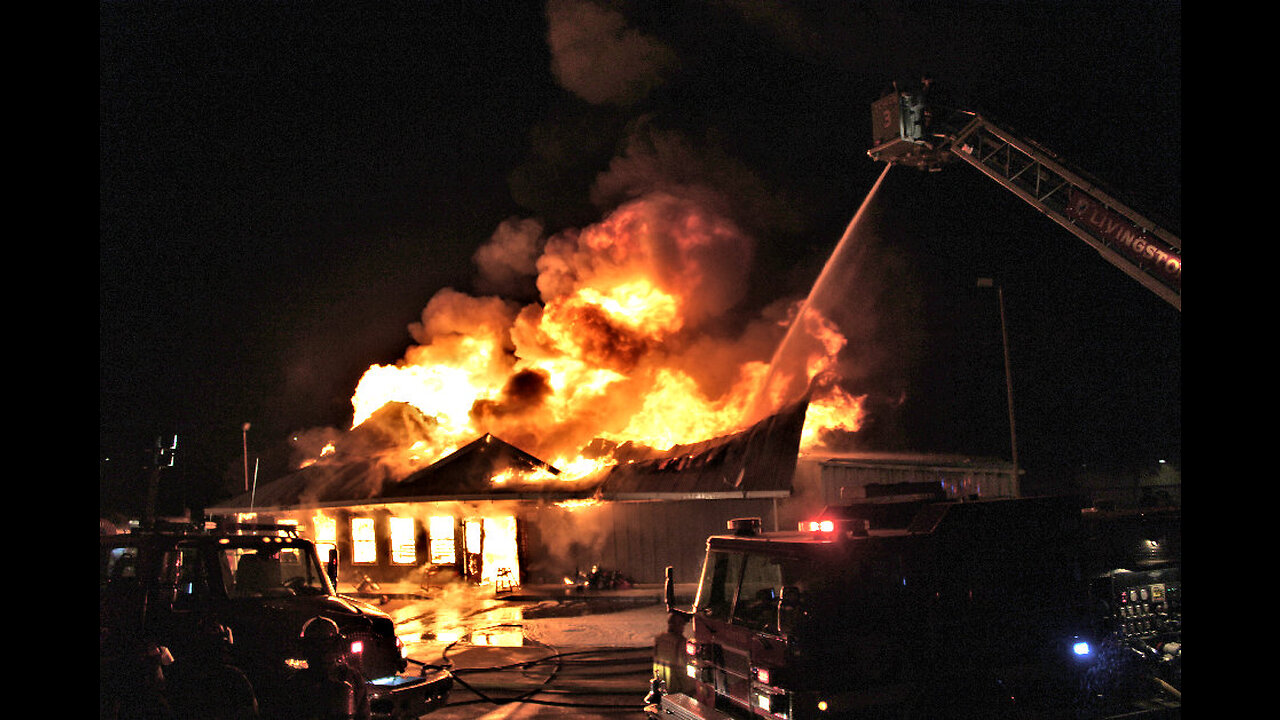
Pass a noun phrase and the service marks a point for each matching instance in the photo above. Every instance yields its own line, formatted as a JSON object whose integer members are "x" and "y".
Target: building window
{"x": 404, "y": 550}
{"x": 363, "y": 538}
{"x": 440, "y": 530}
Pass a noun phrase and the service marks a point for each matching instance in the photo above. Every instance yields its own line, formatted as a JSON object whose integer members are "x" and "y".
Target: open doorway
{"x": 491, "y": 551}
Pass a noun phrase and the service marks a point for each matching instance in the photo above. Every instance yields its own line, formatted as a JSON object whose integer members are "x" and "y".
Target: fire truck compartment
{"x": 684, "y": 707}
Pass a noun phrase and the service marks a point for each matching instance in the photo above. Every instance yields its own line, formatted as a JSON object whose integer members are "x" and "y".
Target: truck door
{"x": 737, "y": 606}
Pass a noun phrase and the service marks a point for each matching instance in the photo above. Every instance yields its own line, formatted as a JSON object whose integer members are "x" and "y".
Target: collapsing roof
{"x": 758, "y": 462}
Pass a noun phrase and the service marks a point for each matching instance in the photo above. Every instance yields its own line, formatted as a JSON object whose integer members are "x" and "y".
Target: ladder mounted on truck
{"x": 907, "y": 130}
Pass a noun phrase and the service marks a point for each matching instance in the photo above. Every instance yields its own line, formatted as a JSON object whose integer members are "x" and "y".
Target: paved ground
{"x": 537, "y": 652}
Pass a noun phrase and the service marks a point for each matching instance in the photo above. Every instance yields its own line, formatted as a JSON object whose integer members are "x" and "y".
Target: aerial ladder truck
{"x": 909, "y": 130}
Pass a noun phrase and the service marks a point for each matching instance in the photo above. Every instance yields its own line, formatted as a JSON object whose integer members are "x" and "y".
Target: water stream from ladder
{"x": 817, "y": 293}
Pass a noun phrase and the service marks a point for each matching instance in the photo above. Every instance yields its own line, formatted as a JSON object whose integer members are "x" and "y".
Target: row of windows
{"x": 403, "y": 536}
{"x": 488, "y": 535}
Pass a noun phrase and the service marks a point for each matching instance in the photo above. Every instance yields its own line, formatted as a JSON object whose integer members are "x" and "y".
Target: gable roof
{"x": 318, "y": 485}
{"x": 476, "y": 470}
{"x": 465, "y": 473}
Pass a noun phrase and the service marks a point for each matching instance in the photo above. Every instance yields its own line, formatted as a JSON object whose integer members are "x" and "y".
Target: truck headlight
{"x": 772, "y": 704}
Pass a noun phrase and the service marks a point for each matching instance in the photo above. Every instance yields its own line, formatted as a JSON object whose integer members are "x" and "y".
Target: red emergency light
{"x": 834, "y": 528}
{"x": 818, "y": 526}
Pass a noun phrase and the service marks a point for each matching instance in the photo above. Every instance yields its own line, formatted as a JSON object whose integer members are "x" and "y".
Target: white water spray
{"x": 765, "y": 400}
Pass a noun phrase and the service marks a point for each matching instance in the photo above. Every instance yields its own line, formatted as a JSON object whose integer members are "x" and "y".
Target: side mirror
{"x": 669, "y": 594}
{"x": 331, "y": 567}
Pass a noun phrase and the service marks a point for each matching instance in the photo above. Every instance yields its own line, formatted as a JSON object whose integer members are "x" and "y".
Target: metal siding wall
{"x": 649, "y": 536}
{"x": 640, "y": 539}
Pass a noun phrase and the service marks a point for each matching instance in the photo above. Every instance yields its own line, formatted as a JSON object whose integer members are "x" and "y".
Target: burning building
{"x": 622, "y": 383}
{"x": 629, "y": 410}
{"x": 491, "y": 513}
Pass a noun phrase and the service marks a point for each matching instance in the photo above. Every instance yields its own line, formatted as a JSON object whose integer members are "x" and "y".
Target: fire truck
{"x": 911, "y": 130}
{"x": 163, "y": 584}
{"x": 931, "y": 608}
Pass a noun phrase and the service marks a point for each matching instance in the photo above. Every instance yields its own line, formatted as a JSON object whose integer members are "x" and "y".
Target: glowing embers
{"x": 327, "y": 451}
{"x": 572, "y": 505}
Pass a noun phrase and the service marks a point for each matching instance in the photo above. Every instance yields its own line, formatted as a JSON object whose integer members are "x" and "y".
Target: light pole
{"x": 1008, "y": 378}
{"x": 245, "y": 436}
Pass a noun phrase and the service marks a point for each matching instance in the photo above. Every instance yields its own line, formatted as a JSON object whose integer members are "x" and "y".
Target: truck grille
{"x": 380, "y": 657}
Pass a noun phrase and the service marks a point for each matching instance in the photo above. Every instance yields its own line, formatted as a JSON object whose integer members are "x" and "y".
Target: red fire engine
{"x": 931, "y": 609}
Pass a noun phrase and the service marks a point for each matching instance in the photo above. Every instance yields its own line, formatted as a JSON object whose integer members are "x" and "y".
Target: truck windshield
{"x": 271, "y": 570}
{"x": 744, "y": 588}
{"x": 773, "y": 591}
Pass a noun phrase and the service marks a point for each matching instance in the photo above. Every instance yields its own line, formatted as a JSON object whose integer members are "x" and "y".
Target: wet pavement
{"x": 534, "y": 652}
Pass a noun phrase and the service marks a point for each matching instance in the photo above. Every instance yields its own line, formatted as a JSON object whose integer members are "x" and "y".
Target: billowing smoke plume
{"x": 508, "y": 262}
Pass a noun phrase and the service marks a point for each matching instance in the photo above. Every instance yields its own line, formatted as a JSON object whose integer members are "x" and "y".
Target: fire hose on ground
{"x": 561, "y": 659}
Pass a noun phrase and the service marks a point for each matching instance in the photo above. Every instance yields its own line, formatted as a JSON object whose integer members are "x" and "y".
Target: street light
{"x": 245, "y": 436}
{"x": 1008, "y": 377}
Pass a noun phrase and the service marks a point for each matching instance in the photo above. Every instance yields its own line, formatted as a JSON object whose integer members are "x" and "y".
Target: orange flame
{"x": 616, "y": 349}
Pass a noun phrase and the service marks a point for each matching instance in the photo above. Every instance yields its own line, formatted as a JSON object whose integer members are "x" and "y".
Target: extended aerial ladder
{"x": 908, "y": 130}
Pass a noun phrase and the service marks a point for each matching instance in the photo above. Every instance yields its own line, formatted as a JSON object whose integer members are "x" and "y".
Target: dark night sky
{"x": 283, "y": 187}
